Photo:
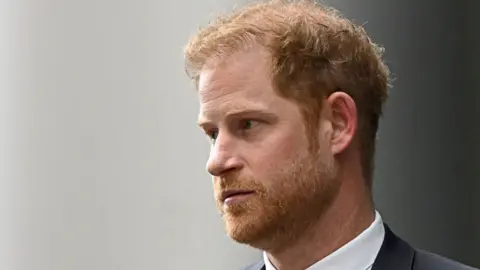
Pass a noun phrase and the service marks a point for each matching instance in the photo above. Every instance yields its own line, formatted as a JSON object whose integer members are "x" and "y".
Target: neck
{"x": 349, "y": 215}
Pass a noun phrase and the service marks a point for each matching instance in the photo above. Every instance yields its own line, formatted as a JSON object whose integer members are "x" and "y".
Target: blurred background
{"x": 102, "y": 166}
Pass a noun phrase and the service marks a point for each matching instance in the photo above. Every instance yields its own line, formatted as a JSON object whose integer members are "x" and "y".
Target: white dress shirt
{"x": 358, "y": 254}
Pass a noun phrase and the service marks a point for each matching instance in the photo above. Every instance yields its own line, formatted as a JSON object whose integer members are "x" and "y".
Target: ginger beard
{"x": 290, "y": 198}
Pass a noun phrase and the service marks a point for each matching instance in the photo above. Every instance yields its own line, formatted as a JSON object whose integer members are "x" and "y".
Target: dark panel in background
{"x": 428, "y": 159}
{"x": 473, "y": 58}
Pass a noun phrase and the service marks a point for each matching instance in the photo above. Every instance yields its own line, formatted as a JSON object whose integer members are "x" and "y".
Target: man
{"x": 290, "y": 97}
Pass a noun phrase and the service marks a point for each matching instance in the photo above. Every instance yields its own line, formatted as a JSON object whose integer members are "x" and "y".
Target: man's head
{"x": 290, "y": 95}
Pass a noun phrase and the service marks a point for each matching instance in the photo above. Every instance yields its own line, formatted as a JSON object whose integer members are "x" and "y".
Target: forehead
{"x": 240, "y": 82}
{"x": 239, "y": 71}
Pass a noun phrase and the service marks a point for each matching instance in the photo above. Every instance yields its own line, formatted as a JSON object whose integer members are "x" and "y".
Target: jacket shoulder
{"x": 428, "y": 261}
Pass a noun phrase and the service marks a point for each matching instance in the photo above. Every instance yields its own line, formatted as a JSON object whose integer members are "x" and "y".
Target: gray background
{"x": 102, "y": 167}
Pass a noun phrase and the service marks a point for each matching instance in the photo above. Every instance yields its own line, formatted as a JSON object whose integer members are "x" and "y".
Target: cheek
{"x": 288, "y": 144}
{"x": 277, "y": 153}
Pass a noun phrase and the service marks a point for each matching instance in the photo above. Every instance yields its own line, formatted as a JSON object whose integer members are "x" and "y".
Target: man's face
{"x": 267, "y": 182}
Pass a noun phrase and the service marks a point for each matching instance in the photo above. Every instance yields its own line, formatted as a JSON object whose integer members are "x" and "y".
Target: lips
{"x": 234, "y": 192}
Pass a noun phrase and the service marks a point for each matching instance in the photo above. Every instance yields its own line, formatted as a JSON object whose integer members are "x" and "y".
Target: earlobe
{"x": 343, "y": 119}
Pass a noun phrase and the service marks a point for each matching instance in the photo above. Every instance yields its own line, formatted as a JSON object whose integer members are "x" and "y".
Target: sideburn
{"x": 311, "y": 118}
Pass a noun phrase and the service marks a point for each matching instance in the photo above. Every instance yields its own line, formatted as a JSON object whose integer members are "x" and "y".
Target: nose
{"x": 223, "y": 157}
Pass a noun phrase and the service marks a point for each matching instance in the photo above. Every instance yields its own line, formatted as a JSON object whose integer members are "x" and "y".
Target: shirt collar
{"x": 360, "y": 253}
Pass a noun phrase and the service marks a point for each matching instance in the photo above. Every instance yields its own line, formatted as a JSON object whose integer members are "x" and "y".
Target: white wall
{"x": 102, "y": 166}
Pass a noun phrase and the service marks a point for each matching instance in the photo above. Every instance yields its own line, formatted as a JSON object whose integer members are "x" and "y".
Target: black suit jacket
{"x": 396, "y": 254}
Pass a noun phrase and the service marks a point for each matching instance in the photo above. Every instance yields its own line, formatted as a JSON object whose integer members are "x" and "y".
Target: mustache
{"x": 236, "y": 182}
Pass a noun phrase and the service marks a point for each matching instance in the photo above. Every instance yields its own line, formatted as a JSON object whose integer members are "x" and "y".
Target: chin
{"x": 246, "y": 229}
{"x": 242, "y": 233}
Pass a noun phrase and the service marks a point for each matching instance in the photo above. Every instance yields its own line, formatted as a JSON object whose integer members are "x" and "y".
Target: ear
{"x": 343, "y": 114}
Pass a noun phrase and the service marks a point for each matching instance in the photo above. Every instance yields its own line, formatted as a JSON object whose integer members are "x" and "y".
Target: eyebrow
{"x": 245, "y": 113}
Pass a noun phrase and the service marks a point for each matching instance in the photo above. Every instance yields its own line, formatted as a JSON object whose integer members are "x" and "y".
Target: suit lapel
{"x": 395, "y": 254}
